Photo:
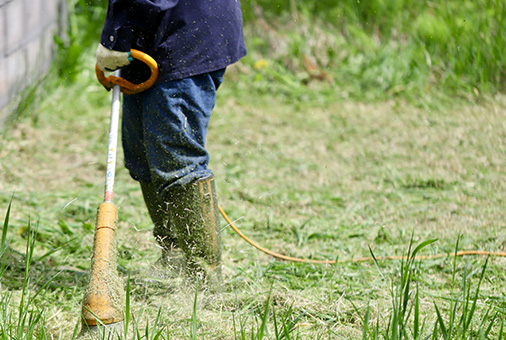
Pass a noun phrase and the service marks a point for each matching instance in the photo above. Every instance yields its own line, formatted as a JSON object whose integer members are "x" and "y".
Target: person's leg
{"x": 176, "y": 119}
{"x": 195, "y": 219}
{"x": 137, "y": 164}
{"x": 132, "y": 137}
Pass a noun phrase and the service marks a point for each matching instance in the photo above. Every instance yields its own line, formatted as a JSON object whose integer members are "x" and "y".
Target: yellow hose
{"x": 362, "y": 259}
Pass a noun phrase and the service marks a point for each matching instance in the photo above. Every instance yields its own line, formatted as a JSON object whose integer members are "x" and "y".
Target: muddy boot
{"x": 172, "y": 256}
{"x": 195, "y": 220}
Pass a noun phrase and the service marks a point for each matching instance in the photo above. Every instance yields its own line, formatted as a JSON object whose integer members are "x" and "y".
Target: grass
{"x": 317, "y": 181}
{"x": 380, "y": 49}
{"x": 317, "y": 154}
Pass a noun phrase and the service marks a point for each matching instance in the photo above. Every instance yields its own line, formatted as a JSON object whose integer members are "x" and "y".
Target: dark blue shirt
{"x": 185, "y": 37}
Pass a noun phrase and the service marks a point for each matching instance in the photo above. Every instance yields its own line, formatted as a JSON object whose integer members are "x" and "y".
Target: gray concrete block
{"x": 4, "y": 85}
{"x": 3, "y": 33}
{"x": 4, "y": 2}
{"x": 34, "y": 18}
{"x": 49, "y": 40}
{"x": 27, "y": 28}
{"x": 50, "y": 11}
{"x": 14, "y": 19}
{"x": 38, "y": 56}
{"x": 47, "y": 47}
{"x": 16, "y": 68}
{"x": 34, "y": 59}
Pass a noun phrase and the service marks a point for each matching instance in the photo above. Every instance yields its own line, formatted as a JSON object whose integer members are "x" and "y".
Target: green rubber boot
{"x": 172, "y": 256}
{"x": 195, "y": 220}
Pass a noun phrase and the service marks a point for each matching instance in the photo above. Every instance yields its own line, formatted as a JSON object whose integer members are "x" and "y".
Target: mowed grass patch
{"x": 359, "y": 170}
{"x": 326, "y": 182}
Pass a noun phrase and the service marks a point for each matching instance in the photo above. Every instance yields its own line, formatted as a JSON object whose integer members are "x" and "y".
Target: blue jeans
{"x": 164, "y": 131}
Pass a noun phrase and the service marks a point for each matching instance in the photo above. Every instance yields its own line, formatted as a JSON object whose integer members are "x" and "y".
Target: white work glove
{"x": 110, "y": 60}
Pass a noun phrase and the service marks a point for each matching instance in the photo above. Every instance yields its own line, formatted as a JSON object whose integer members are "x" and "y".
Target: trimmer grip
{"x": 126, "y": 86}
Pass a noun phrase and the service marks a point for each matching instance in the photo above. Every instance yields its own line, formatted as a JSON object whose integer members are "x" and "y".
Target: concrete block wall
{"x": 27, "y": 28}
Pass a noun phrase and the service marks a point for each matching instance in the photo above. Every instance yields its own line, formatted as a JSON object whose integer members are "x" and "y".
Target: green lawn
{"x": 331, "y": 179}
{"x": 352, "y": 129}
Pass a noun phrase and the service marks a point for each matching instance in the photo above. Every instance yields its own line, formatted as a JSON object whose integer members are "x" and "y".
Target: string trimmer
{"x": 104, "y": 301}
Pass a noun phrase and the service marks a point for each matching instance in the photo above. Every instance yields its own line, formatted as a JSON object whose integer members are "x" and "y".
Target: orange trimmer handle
{"x": 126, "y": 86}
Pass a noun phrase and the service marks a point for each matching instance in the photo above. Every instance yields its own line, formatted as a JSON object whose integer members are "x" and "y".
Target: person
{"x": 164, "y": 128}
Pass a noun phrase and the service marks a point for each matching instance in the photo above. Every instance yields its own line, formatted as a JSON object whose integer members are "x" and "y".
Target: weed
{"x": 406, "y": 321}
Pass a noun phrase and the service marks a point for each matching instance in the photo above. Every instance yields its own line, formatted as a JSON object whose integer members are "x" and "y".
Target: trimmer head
{"x": 102, "y": 332}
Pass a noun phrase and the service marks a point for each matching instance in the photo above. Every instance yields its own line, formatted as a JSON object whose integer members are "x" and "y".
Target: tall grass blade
{"x": 475, "y": 299}
{"x": 454, "y": 304}
{"x": 366, "y": 322}
{"x": 484, "y": 318}
{"x": 146, "y": 330}
{"x": 76, "y": 332}
{"x": 395, "y": 321}
{"x": 465, "y": 293}
{"x": 41, "y": 289}
{"x": 289, "y": 325}
{"x": 500, "y": 337}
{"x": 416, "y": 317}
{"x": 275, "y": 321}
{"x": 435, "y": 332}
{"x": 3, "y": 244}
{"x": 194, "y": 314}
{"x": 23, "y": 310}
{"x": 441, "y": 323}
{"x": 127, "y": 306}
{"x": 492, "y": 322}
{"x": 454, "y": 271}
{"x": 264, "y": 316}
{"x": 376, "y": 262}
{"x": 421, "y": 246}
{"x": 405, "y": 299}
{"x": 157, "y": 323}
